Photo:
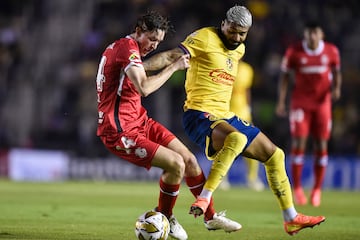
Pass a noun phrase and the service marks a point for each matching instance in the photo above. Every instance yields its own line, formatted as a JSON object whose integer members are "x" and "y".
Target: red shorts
{"x": 139, "y": 145}
{"x": 315, "y": 122}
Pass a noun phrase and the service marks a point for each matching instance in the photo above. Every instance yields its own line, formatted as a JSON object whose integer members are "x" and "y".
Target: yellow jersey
{"x": 212, "y": 72}
{"x": 239, "y": 102}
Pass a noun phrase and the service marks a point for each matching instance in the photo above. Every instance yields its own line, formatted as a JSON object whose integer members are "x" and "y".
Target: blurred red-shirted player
{"x": 316, "y": 67}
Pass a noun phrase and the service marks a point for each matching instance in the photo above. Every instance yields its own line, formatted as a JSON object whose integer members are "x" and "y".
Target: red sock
{"x": 195, "y": 185}
{"x": 297, "y": 167}
{"x": 167, "y": 198}
{"x": 321, "y": 160}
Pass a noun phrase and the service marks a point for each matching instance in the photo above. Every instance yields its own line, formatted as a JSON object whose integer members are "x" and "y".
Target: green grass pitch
{"x": 108, "y": 210}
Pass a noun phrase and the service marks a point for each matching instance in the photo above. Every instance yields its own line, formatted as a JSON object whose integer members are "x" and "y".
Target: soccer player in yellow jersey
{"x": 209, "y": 122}
{"x": 240, "y": 105}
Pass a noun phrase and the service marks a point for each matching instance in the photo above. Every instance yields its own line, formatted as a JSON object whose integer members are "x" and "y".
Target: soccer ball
{"x": 152, "y": 226}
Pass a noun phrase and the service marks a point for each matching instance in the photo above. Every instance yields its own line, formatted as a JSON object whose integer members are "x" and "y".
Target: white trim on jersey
{"x": 123, "y": 73}
{"x": 315, "y": 52}
{"x": 313, "y": 69}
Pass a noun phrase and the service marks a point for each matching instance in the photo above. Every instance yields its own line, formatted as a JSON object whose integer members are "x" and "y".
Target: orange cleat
{"x": 199, "y": 206}
{"x": 316, "y": 197}
{"x": 302, "y": 221}
{"x": 299, "y": 196}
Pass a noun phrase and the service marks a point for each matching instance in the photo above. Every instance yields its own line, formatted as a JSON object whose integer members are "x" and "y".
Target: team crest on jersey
{"x": 324, "y": 59}
{"x": 229, "y": 64}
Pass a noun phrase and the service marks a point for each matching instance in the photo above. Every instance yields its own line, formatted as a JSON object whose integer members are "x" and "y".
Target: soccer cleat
{"x": 299, "y": 196}
{"x": 316, "y": 197}
{"x": 176, "y": 230}
{"x": 219, "y": 221}
{"x": 199, "y": 206}
{"x": 302, "y": 221}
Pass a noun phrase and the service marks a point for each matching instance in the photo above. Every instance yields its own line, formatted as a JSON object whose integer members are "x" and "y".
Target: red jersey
{"x": 313, "y": 73}
{"x": 119, "y": 103}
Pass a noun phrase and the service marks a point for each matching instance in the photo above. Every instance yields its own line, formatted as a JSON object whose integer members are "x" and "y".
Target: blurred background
{"x": 49, "y": 53}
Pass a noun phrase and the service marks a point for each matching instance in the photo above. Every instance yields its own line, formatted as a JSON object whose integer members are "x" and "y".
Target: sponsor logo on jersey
{"x": 221, "y": 76}
{"x": 324, "y": 59}
{"x": 134, "y": 57}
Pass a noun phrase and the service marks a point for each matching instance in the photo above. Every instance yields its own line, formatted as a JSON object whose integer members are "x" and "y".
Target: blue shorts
{"x": 198, "y": 126}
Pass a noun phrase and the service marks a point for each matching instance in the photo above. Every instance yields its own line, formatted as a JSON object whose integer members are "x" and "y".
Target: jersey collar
{"x": 317, "y": 51}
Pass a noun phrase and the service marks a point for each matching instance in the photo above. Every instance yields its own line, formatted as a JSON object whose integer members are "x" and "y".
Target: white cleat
{"x": 176, "y": 230}
{"x": 219, "y": 221}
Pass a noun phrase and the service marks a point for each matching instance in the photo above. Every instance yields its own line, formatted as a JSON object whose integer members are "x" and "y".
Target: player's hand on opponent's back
{"x": 182, "y": 62}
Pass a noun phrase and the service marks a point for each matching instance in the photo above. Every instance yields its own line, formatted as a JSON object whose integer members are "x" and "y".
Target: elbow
{"x": 143, "y": 92}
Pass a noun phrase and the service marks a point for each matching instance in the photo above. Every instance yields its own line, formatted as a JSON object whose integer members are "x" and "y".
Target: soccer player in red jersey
{"x": 129, "y": 133}
{"x": 316, "y": 67}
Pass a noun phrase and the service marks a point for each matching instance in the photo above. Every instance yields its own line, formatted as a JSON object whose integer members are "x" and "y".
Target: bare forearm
{"x": 156, "y": 81}
{"x": 148, "y": 84}
{"x": 156, "y": 62}
{"x": 282, "y": 88}
{"x": 282, "y": 91}
{"x": 337, "y": 79}
{"x": 336, "y": 89}
{"x": 161, "y": 60}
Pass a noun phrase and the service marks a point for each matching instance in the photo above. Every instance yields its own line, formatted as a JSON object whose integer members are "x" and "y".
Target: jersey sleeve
{"x": 128, "y": 55}
{"x": 195, "y": 43}
{"x": 287, "y": 62}
{"x": 335, "y": 60}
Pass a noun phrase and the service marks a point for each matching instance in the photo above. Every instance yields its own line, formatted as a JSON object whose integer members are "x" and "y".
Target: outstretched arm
{"x": 146, "y": 85}
{"x": 162, "y": 59}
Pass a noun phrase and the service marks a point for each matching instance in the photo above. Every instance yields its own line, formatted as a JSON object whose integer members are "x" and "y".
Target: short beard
{"x": 228, "y": 45}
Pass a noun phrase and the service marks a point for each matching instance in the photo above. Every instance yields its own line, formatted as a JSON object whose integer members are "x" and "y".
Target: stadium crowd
{"x": 49, "y": 54}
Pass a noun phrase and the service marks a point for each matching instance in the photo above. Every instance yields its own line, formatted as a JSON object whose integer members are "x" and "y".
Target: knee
{"x": 279, "y": 152}
{"x": 192, "y": 167}
{"x": 235, "y": 141}
{"x": 177, "y": 168}
{"x": 277, "y": 156}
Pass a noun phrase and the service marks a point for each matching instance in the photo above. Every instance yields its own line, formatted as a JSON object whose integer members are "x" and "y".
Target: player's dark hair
{"x": 312, "y": 24}
{"x": 152, "y": 21}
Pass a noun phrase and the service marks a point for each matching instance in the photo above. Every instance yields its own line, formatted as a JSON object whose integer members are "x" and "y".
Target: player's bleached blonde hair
{"x": 239, "y": 15}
